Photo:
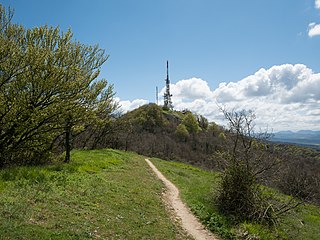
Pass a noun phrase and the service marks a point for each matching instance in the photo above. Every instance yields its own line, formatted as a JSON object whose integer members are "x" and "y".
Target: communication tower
{"x": 167, "y": 96}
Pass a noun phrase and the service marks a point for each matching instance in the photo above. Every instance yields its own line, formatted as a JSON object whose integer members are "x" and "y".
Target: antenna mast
{"x": 167, "y": 96}
{"x": 157, "y": 96}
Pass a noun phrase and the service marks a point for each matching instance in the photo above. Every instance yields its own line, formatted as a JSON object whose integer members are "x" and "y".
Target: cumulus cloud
{"x": 190, "y": 89}
{"x": 284, "y": 97}
{"x": 313, "y": 29}
{"x": 285, "y": 83}
{"x": 126, "y": 106}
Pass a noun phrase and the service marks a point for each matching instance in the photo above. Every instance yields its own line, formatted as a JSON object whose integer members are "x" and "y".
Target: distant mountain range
{"x": 304, "y": 138}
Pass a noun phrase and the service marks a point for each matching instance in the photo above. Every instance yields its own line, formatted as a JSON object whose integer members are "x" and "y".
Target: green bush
{"x": 240, "y": 196}
{"x": 182, "y": 132}
{"x": 191, "y": 123}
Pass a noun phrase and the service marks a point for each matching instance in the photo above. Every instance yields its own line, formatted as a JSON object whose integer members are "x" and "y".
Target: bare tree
{"x": 245, "y": 165}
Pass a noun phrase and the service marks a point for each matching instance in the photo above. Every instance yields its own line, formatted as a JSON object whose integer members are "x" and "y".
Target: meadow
{"x": 111, "y": 194}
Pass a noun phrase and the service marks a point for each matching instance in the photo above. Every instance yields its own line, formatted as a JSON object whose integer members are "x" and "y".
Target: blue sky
{"x": 217, "y": 51}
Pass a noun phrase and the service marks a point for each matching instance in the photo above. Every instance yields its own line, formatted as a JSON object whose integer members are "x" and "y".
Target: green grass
{"x": 198, "y": 189}
{"x": 101, "y": 194}
{"x": 108, "y": 194}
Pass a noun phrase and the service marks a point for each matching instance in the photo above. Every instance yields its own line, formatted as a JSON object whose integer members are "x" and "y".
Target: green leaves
{"x": 191, "y": 123}
{"x": 182, "y": 132}
{"x": 46, "y": 78}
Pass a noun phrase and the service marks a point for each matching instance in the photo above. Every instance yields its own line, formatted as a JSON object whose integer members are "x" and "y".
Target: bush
{"x": 191, "y": 123}
{"x": 240, "y": 196}
{"x": 182, "y": 132}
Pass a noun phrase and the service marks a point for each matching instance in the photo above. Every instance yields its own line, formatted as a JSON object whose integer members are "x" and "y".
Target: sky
{"x": 250, "y": 54}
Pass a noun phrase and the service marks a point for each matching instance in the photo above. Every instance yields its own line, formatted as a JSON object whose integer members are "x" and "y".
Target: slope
{"x": 101, "y": 194}
{"x": 198, "y": 189}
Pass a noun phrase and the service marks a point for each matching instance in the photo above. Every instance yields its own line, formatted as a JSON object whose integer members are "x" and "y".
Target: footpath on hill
{"x": 188, "y": 221}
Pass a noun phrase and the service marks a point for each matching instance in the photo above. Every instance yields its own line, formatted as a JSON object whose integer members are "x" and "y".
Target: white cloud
{"x": 126, "y": 106}
{"x": 313, "y": 29}
{"x": 190, "y": 89}
{"x": 284, "y": 97}
{"x": 284, "y": 83}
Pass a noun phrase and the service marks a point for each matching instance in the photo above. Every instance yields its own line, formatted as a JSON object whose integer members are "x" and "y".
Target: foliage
{"x": 203, "y": 122}
{"x": 222, "y": 136}
{"x": 239, "y": 195}
{"x": 153, "y": 118}
{"x": 150, "y": 131}
{"x": 148, "y": 118}
{"x": 299, "y": 177}
{"x": 191, "y": 123}
{"x": 48, "y": 87}
{"x": 182, "y": 132}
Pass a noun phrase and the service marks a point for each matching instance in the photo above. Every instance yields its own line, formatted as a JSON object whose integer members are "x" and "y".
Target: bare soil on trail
{"x": 188, "y": 221}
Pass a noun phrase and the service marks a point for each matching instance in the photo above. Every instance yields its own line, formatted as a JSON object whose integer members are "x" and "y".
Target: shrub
{"x": 191, "y": 123}
{"x": 240, "y": 196}
{"x": 182, "y": 132}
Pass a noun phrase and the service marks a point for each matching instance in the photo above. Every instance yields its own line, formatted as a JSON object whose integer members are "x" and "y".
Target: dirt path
{"x": 189, "y": 222}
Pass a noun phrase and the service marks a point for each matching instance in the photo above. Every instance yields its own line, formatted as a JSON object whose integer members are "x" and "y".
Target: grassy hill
{"x": 101, "y": 194}
{"x": 109, "y": 194}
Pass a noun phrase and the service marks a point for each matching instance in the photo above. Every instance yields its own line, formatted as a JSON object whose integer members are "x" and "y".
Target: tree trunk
{"x": 68, "y": 142}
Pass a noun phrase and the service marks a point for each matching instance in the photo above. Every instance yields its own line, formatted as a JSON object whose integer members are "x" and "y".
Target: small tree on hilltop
{"x": 246, "y": 161}
{"x": 191, "y": 123}
{"x": 182, "y": 132}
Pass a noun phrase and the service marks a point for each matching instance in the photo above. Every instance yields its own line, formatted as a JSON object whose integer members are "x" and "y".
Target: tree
{"x": 48, "y": 87}
{"x": 191, "y": 123}
{"x": 104, "y": 118}
{"x": 203, "y": 122}
{"x": 247, "y": 159}
{"x": 182, "y": 132}
{"x": 238, "y": 186}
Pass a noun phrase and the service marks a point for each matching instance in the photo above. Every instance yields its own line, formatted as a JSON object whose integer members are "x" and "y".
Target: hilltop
{"x": 115, "y": 185}
{"x": 190, "y": 138}
{"x": 173, "y": 135}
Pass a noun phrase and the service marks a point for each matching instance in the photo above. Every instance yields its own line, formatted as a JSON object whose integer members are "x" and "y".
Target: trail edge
{"x": 188, "y": 221}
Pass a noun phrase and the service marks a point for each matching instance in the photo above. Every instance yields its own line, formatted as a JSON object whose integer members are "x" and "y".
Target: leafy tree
{"x": 222, "y": 136}
{"x": 149, "y": 118}
{"x": 182, "y": 132}
{"x": 103, "y": 122}
{"x": 191, "y": 123}
{"x": 203, "y": 122}
{"x": 153, "y": 118}
{"x": 48, "y": 87}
